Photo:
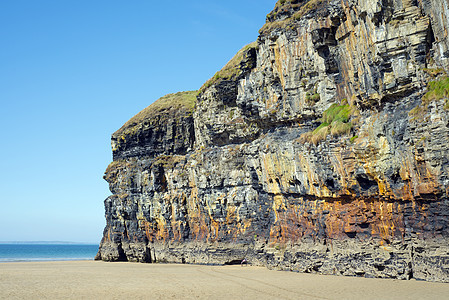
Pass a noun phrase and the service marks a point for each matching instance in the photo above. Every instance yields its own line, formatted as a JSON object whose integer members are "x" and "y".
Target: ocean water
{"x": 46, "y": 252}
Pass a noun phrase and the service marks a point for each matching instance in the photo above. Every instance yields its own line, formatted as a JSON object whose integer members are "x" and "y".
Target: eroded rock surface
{"x": 316, "y": 149}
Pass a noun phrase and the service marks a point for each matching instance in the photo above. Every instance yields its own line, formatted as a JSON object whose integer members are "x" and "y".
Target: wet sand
{"x": 100, "y": 280}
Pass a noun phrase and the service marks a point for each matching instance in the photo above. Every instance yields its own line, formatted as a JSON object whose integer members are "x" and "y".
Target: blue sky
{"x": 72, "y": 72}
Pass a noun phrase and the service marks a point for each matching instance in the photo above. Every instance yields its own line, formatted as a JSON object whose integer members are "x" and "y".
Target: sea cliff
{"x": 322, "y": 147}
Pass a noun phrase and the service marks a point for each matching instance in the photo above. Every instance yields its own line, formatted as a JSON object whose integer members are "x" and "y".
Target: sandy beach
{"x": 101, "y": 280}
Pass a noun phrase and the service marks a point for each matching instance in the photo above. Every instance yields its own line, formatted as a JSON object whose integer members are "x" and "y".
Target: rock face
{"x": 323, "y": 147}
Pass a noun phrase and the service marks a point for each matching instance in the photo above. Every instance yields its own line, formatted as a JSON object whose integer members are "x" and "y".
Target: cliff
{"x": 322, "y": 147}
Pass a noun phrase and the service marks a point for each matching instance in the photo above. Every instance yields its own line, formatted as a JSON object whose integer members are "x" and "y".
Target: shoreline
{"x": 98, "y": 279}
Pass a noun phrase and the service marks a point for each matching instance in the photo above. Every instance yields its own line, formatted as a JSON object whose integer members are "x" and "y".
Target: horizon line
{"x": 50, "y": 242}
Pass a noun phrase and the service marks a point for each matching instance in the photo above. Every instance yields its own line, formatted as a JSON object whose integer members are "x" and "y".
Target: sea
{"x": 17, "y": 252}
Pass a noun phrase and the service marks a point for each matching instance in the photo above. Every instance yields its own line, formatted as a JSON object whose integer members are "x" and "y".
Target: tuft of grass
{"x": 340, "y": 128}
{"x": 319, "y": 128}
{"x": 335, "y": 112}
{"x": 320, "y": 133}
{"x": 334, "y": 121}
{"x": 182, "y": 103}
{"x": 352, "y": 139}
{"x": 312, "y": 98}
{"x": 232, "y": 69}
{"x": 436, "y": 90}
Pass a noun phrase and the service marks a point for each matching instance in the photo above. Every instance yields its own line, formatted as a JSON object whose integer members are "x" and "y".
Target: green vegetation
{"x": 436, "y": 90}
{"x": 335, "y": 121}
{"x": 232, "y": 69}
{"x": 165, "y": 107}
{"x": 312, "y": 98}
{"x": 301, "y": 8}
{"x": 337, "y": 113}
{"x": 352, "y": 139}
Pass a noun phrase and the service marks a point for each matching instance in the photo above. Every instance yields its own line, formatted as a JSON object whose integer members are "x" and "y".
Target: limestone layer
{"x": 322, "y": 147}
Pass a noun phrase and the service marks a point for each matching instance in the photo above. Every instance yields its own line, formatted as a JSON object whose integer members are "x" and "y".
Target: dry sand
{"x": 101, "y": 280}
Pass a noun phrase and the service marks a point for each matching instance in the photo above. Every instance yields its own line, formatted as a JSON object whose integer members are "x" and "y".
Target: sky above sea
{"x": 73, "y": 72}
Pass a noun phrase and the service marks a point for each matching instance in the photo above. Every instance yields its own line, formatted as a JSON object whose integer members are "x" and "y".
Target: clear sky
{"x": 72, "y": 72}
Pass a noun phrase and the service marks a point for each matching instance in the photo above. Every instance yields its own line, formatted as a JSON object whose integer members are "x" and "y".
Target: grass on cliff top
{"x": 282, "y": 5}
{"x": 166, "y": 105}
{"x": 231, "y": 69}
{"x": 335, "y": 121}
{"x": 302, "y": 7}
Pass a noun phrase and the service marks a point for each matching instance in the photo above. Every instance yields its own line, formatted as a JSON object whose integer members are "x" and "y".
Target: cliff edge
{"x": 322, "y": 147}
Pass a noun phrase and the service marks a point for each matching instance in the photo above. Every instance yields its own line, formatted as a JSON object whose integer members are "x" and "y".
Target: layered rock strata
{"x": 320, "y": 148}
